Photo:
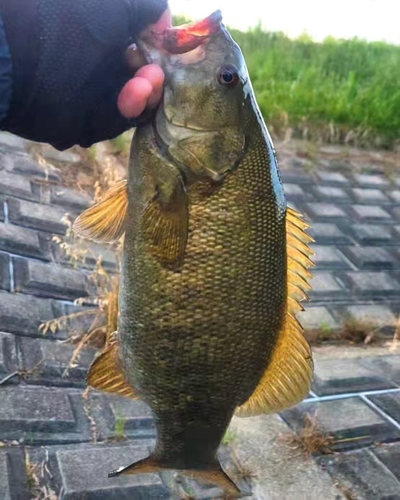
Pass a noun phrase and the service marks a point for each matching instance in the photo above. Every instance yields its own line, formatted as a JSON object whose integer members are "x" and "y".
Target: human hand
{"x": 72, "y": 80}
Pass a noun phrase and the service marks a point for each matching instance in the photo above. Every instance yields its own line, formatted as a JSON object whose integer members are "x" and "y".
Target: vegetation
{"x": 356, "y": 332}
{"x": 120, "y": 423}
{"x": 103, "y": 289}
{"x": 310, "y": 439}
{"x": 337, "y": 91}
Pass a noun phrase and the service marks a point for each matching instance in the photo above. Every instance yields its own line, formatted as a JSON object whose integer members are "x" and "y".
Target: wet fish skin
{"x": 196, "y": 340}
{"x": 206, "y": 324}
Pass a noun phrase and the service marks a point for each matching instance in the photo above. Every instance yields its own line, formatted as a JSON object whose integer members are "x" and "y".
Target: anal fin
{"x": 105, "y": 373}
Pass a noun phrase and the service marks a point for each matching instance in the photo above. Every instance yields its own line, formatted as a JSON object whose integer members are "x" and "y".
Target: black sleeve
{"x": 5, "y": 74}
{"x": 69, "y": 66}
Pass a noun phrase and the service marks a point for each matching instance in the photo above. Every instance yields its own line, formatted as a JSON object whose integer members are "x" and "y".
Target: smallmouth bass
{"x": 214, "y": 263}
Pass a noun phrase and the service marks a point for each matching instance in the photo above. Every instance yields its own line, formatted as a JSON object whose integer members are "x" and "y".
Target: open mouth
{"x": 188, "y": 37}
{"x": 187, "y": 42}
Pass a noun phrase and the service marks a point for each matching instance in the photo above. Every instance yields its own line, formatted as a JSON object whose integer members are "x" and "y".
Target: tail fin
{"x": 214, "y": 476}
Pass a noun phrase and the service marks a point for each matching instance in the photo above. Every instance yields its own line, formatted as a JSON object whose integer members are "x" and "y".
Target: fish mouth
{"x": 185, "y": 38}
{"x": 188, "y": 37}
{"x": 186, "y": 42}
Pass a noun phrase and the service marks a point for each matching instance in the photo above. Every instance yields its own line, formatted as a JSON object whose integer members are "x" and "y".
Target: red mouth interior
{"x": 190, "y": 36}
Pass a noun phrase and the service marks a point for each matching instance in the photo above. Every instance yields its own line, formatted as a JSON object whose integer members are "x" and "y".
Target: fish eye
{"x": 228, "y": 76}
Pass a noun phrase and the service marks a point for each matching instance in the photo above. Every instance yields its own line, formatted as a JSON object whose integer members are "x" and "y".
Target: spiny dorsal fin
{"x": 288, "y": 378}
{"x": 105, "y": 221}
{"x": 105, "y": 373}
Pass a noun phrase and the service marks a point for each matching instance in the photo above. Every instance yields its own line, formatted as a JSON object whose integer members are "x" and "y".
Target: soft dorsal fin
{"x": 105, "y": 373}
{"x": 287, "y": 380}
{"x": 105, "y": 221}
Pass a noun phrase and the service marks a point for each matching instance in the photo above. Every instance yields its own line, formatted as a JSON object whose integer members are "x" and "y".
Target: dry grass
{"x": 355, "y": 332}
{"x": 4, "y": 444}
{"x": 103, "y": 294}
{"x": 103, "y": 286}
{"x": 359, "y": 332}
{"x": 310, "y": 440}
{"x": 243, "y": 471}
{"x": 23, "y": 374}
{"x": 37, "y": 473}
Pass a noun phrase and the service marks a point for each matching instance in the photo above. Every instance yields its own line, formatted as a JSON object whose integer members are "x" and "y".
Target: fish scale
{"x": 214, "y": 264}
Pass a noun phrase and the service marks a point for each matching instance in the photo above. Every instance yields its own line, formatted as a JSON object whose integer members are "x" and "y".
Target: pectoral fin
{"x": 106, "y": 374}
{"x": 105, "y": 221}
{"x": 166, "y": 221}
{"x": 287, "y": 380}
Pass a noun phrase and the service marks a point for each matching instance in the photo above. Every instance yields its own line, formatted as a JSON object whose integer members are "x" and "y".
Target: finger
{"x": 132, "y": 100}
{"x": 154, "y": 74}
{"x": 154, "y": 99}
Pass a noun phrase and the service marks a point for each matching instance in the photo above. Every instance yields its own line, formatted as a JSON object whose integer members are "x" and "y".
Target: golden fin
{"x": 145, "y": 466}
{"x": 166, "y": 223}
{"x": 287, "y": 379}
{"x": 105, "y": 221}
{"x": 214, "y": 476}
{"x": 296, "y": 218}
{"x": 105, "y": 372}
{"x": 219, "y": 478}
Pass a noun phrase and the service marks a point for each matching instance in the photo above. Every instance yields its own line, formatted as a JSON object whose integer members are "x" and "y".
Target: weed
{"x": 346, "y": 492}
{"x": 88, "y": 413}
{"x": 120, "y": 423}
{"x": 122, "y": 144}
{"x": 229, "y": 437}
{"x": 310, "y": 439}
{"x": 103, "y": 288}
{"x": 358, "y": 332}
{"x": 4, "y": 444}
{"x": 36, "y": 477}
{"x": 23, "y": 373}
{"x": 353, "y": 331}
{"x": 243, "y": 471}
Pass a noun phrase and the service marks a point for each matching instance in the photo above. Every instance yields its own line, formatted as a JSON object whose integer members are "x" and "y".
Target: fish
{"x": 215, "y": 264}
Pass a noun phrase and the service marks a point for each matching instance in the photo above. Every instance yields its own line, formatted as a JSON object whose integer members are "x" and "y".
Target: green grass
{"x": 330, "y": 88}
{"x": 120, "y": 423}
{"x": 352, "y": 84}
{"x": 229, "y": 437}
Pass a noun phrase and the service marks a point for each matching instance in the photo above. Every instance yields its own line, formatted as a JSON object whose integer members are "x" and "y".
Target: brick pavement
{"x": 46, "y": 416}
